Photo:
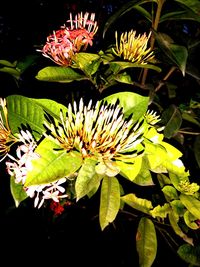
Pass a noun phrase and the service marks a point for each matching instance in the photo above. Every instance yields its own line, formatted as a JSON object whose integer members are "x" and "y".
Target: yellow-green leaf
{"x": 110, "y": 201}
{"x": 146, "y": 242}
{"x": 86, "y": 179}
{"x": 140, "y": 204}
{"x": 52, "y": 164}
{"x": 192, "y": 204}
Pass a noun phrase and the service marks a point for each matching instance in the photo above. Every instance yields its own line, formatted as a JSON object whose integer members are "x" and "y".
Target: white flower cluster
{"x": 20, "y": 165}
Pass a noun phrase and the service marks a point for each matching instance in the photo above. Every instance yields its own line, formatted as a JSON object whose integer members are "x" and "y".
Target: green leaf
{"x": 180, "y": 15}
{"x": 174, "y": 218}
{"x": 130, "y": 170}
{"x": 170, "y": 192}
{"x": 132, "y": 103}
{"x": 190, "y": 254}
{"x": 178, "y": 207}
{"x": 123, "y": 78}
{"x": 197, "y": 150}
{"x": 59, "y": 74}
{"x": 146, "y": 242}
{"x": 26, "y": 62}
{"x": 155, "y": 154}
{"x": 163, "y": 179}
{"x": 87, "y": 178}
{"x": 190, "y": 118}
{"x": 140, "y": 204}
{"x": 88, "y": 63}
{"x": 15, "y": 73}
{"x": 161, "y": 211}
{"x": 17, "y": 191}
{"x": 117, "y": 66}
{"x": 30, "y": 111}
{"x": 7, "y": 63}
{"x": 24, "y": 110}
{"x": 177, "y": 54}
{"x": 110, "y": 201}
{"x": 122, "y": 11}
{"x": 190, "y": 219}
{"x": 192, "y": 204}
{"x": 51, "y": 107}
{"x": 144, "y": 177}
{"x": 194, "y": 5}
{"x": 172, "y": 120}
{"x": 52, "y": 164}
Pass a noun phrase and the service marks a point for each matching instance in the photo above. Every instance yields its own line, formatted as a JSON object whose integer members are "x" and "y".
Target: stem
{"x": 152, "y": 40}
{"x": 161, "y": 83}
{"x": 186, "y": 132}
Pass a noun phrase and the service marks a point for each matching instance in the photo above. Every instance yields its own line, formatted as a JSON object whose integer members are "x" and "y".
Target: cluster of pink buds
{"x": 72, "y": 38}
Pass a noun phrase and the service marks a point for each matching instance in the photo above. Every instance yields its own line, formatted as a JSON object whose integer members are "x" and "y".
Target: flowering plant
{"x": 97, "y": 145}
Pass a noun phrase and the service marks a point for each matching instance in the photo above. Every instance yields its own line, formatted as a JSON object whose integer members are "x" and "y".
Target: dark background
{"x": 30, "y": 236}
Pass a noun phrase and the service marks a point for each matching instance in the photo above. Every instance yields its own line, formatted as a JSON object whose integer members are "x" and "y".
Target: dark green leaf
{"x": 197, "y": 149}
{"x": 190, "y": 254}
{"x": 172, "y": 120}
{"x": 177, "y": 54}
{"x": 194, "y": 5}
{"x": 180, "y": 15}
{"x": 122, "y": 11}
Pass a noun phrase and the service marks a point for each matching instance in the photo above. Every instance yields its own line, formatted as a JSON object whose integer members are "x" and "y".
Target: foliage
{"x": 101, "y": 146}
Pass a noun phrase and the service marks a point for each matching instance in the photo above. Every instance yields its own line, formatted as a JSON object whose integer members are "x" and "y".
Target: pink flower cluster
{"x": 63, "y": 44}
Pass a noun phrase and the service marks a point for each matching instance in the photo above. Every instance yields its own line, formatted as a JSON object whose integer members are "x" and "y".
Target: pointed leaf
{"x": 87, "y": 62}
{"x": 146, "y": 242}
{"x": 52, "y": 164}
{"x": 190, "y": 254}
{"x": 130, "y": 170}
{"x": 177, "y": 54}
{"x": 117, "y": 66}
{"x": 140, "y": 204}
{"x": 110, "y": 201}
{"x": 24, "y": 110}
{"x": 30, "y": 111}
{"x": 194, "y": 5}
{"x": 86, "y": 179}
{"x": 144, "y": 177}
{"x": 172, "y": 120}
{"x": 190, "y": 219}
{"x": 122, "y": 11}
{"x": 174, "y": 218}
{"x": 170, "y": 192}
{"x": 7, "y": 63}
{"x": 59, "y": 74}
{"x": 197, "y": 150}
{"x": 17, "y": 191}
{"x": 12, "y": 71}
{"x": 180, "y": 15}
{"x": 192, "y": 204}
{"x": 131, "y": 103}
